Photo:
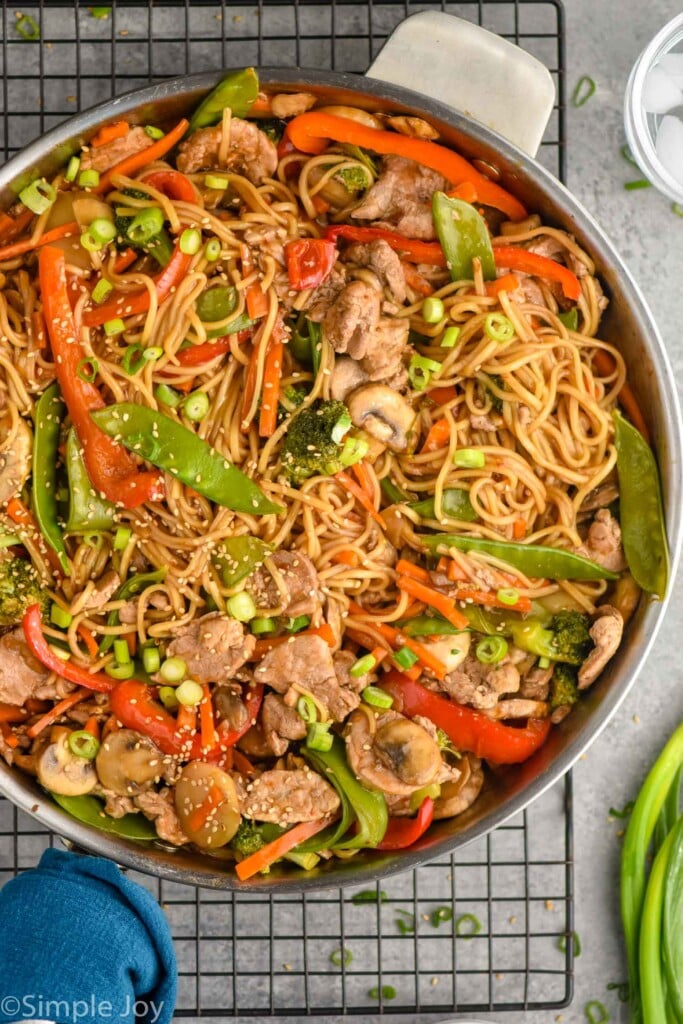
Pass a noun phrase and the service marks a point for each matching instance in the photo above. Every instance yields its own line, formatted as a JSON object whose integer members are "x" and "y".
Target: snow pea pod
{"x": 216, "y": 304}
{"x": 87, "y": 510}
{"x": 50, "y": 412}
{"x": 170, "y": 446}
{"x": 643, "y": 532}
{"x": 463, "y": 236}
{"x": 238, "y": 91}
{"x": 89, "y": 810}
{"x": 455, "y": 504}
{"x": 532, "y": 559}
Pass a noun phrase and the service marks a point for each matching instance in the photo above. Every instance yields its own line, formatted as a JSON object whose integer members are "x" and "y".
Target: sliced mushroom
{"x": 457, "y": 796}
{"x": 201, "y": 784}
{"x": 15, "y": 459}
{"x": 62, "y": 772}
{"x": 396, "y": 758}
{"x": 347, "y": 375}
{"x": 128, "y": 763}
{"x": 384, "y": 413}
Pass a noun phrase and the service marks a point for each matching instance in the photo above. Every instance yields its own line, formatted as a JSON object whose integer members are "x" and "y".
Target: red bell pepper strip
{"x": 403, "y": 832}
{"x": 112, "y": 470}
{"x": 134, "y": 303}
{"x": 467, "y": 729}
{"x": 311, "y": 132}
{"x": 172, "y": 184}
{"x": 10, "y": 227}
{"x": 33, "y": 631}
{"x": 514, "y": 258}
{"x": 137, "y": 161}
{"x": 411, "y": 249}
{"x": 132, "y": 704}
{"x": 309, "y": 261}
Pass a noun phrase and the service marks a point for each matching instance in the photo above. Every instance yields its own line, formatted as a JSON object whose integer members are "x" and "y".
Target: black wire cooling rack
{"x": 505, "y": 902}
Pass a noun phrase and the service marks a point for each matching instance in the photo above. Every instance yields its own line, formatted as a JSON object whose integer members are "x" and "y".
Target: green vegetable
{"x": 571, "y": 640}
{"x": 60, "y": 617}
{"x": 377, "y": 697}
{"x": 89, "y": 810}
{"x": 151, "y": 658}
{"x": 196, "y": 406}
{"x": 406, "y": 922}
{"x": 172, "y": 447}
{"x": 643, "y": 531}
{"x": 583, "y": 90}
{"x": 464, "y": 236}
{"x": 144, "y": 231}
{"x": 467, "y": 926}
{"x": 189, "y": 693}
{"x": 89, "y": 178}
{"x": 469, "y": 458}
{"x": 405, "y": 658}
{"x": 309, "y": 448}
{"x": 420, "y": 371}
{"x": 28, "y": 28}
{"x": 341, "y": 956}
{"x": 87, "y": 509}
{"x": 563, "y": 686}
{"x": 363, "y": 156}
{"x": 576, "y": 944}
{"x": 499, "y": 327}
{"x": 217, "y": 303}
{"x": 190, "y": 241}
{"x": 431, "y": 625}
{"x": 115, "y": 326}
{"x": 83, "y": 744}
{"x": 624, "y": 812}
{"x": 133, "y": 586}
{"x": 238, "y": 557}
{"x": 621, "y": 988}
{"x": 387, "y": 992}
{"x": 672, "y": 899}
{"x": 393, "y": 493}
{"x": 497, "y": 382}
{"x": 633, "y": 186}
{"x": 595, "y": 1006}
{"x": 273, "y": 127}
{"x": 491, "y": 650}
{"x": 241, "y": 607}
{"x": 369, "y": 896}
{"x": 38, "y": 196}
{"x": 450, "y": 337}
{"x": 570, "y": 319}
{"x": 298, "y": 623}
{"x": 433, "y": 310}
{"x": 20, "y": 587}
{"x": 238, "y": 92}
{"x": 145, "y": 225}
{"x": 455, "y": 504}
{"x": 50, "y": 412}
{"x": 354, "y": 179}
{"x": 532, "y": 559}
{"x": 319, "y": 737}
{"x": 305, "y": 343}
{"x": 441, "y": 915}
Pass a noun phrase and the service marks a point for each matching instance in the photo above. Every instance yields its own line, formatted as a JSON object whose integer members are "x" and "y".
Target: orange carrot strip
{"x": 186, "y": 719}
{"x": 8, "y": 736}
{"x": 604, "y": 363}
{"x": 12, "y": 713}
{"x": 57, "y": 711}
{"x": 365, "y": 480}
{"x": 397, "y": 639}
{"x": 111, "y": 725}
{"x": 207, "y": 722}
{"x": 353, "y": 488}
{"x": 147, "y": 156}
{"x": 93, "y": 726}
{"x": 88, "y": 639}
{"x": 442, "y": 395}
{"x": 438, "y": 436}
{"x": 241, "y": 763}
{"x": 109, "y": 133}
{"x": 489, "y": 600}
{"x": 506, "y": 283}
{"x": 320, "y": 205}
{"x": 268, "y": 854}
{"x": 256, "y": 298}
{"x": 451, "y": 569}
{"x": 519, "y": 529}
{"x": 440, "y": 602}
{"x": 269, "y": 643}
{"x": 10, "y": 227}
{"x": 8, "y": 252}
{"x": 199, "y": 816}
{"x": 345, "y": 558}
{"x": 38, "y": 329}
{"x": 272, "y": 373}
{"x": 379, "y": 654}
{"x": 406, "y": 568}
{"x": 414, "y": 279}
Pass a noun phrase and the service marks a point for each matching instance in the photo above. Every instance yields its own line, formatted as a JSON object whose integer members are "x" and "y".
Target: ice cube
{"x": 669, "y": 146}
{"x": 672, "y": 63}
{"x": 660, "y": 92}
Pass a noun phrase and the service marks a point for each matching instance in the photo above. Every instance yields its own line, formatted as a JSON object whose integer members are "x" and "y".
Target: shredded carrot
{"x": 10, "y": 227}
{"x": 413, "y": 673}
{"x": 414, "y": 279}
{"x": 111, "y": 725}
{"x": 186, "y": 719}
{"x": 93, "y": 726}
{"x": 406, "y": 568}
{"x": 519, "y": 529}
{"x": 88, "y": 639}
{"x": 132, "y": 641}
{"x": 124, "y": 260}
{"x": 261, "y": 107}
{"x": 353, "y": 488}
{"x": 57, "y": 711}
{"x": 320, "y": 204}
{"x": 270, "y": 643}
{"x": 8, "y": 736}
{"x": 146, "y": 156}
{"x": 506, "y": 283}
{"x": 451, "y": 569}
{"x": 241, "y": 763}
{"x": 488, "y": 599}
{"x": 438, "y": 436}
{"x": 345, "y": 558}
{"x": 465, "y": 191}
{"x": 12, "y": 713}
{"x": 604, "y": 363}
{"x": 397, "y": 639}
{"x": 38, "y": 329}
{"x": 440, "y": 396}
{"x": 200, "y": 815}
{"x": 256, "y": 298}
{"x": 227, "y": 759}
{"x": 22, "y": 516}
{"x": 207, "y": 722}
{"x": 272, "y": 373}
{"x": 364, "y": 477}
{"x": 109, "y": 133}
{"x": 8, "y": 252}
{"x": 379, "y": 654}
{"x": 440, "y": 602}
{"x": 268, "y": 854}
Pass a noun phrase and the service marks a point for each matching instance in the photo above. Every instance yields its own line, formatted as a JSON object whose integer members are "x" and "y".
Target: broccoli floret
{"x": 571, "y": 640}
{"x": 291, "y": 398}
{"x": 313, "y": 444}
{"x": 19, "y": 588}
{"x": 564, "y": 689}
{"x": 247, "y": 839}
{"x": 273, "y": 127}
{"x": 354, "y": 179}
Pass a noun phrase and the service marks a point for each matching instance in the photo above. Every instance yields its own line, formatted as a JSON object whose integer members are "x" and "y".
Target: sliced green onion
{"x": 341, "y": 427}
{"x": 354, "y": 450}
{"x": 306, "y": 709}
{"x": 406, "y": 922}
{"x": 499, "y": 327}
{"x": 60, "y": 617}
{"x": 102, "y": 230}
{"x": 89, "y": 178}
{"x": 677, "y": 208}
{"x": 241, "y": 606}
{"x": 631, "y": 186}
{"x": 491, "y": 650}
{"x": 508, "y": 595}
{"x": 469, "y": 458}
{"x": 596, "y": 1007}
{"x": 152, "y": 132}
{"x": 168, "y": 698}
{"x": 196, "y": 406}
{"x": 112, "y": 327}
{"x": 121, "y": 652}
{"x": 627, "y": 154}
{"x": 295, "y": 625}
{"x": 583, "y": 90}
{"x": 467, "y": 926}
{"x": 418, "y": 797}
{"x": 145, "y": 225}
{"x": 369, "y": 896}
{"x": 319, "y": 737}
{"x": 212, "y": 250}
{"x": 544, "y": 663}
{"x": 388, "y": 992}
{"x": 216, "y": 181}
{"x": 262, "y": 626}
{"x": 362, "y": 666}
{"x": 28, "y": 28}
{"x": 90, "y": 243}
{"x": 433, "y": 310}
{"x": 151, "y": 659}
{"x": 133, "y": 359}
{"x": 622, "y": 989}
{"x": 341, "y": 956}
{"x": 87, "y": 370}
{"x": 93, "y": 539}
{"x": 420, "y": 371}
{"x": 440, "y": 916}
{"x": 624, "y": 812}
{"x": 83, "y": 744}
{"x": 450, "y": 337}
{"x": 100, "y": 12}
{"x": 576, "y": 944}
{"x": 167, "y": 396}
{"x": 121, "y": 538}
{"x": 190, "y": 241}
{"x": 101, "y": 290}
{"x": 405, "y": 658}
{"x": 189, "y": 694}
{"x": 38, "y": 196}
{"x": 152, "y": 353}
{"x": 120, "y": 672}
{"x": 377, "y": 697}
{"x": 173, "y": 670}
{"x": 72, "y": 168}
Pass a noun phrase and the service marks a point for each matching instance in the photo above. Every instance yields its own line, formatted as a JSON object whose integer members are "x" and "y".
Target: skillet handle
{"x": 474, "y": 70}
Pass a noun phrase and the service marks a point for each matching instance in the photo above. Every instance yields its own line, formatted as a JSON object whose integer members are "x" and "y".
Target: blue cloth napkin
{"x": 82, "y": 944}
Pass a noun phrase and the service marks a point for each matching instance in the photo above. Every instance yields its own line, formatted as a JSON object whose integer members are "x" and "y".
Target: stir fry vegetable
{"x": 50, "y": 412}
{"x": 464, "y": 237}
{"x": 531, "y": 559}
